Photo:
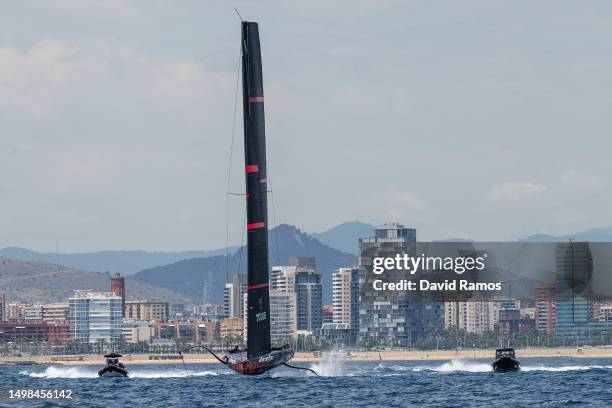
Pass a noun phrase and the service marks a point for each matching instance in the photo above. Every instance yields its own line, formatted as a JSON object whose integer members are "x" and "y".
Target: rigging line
{"x": 239, "y": 16}
{"x": 278, "y": 262}
{"x": 301, "y": 368}
{"x": 242, "y": 242}
{"x": 229, "y": 173}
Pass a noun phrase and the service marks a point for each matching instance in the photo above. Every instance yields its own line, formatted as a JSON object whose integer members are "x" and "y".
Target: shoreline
{"x": 412, "y": 355}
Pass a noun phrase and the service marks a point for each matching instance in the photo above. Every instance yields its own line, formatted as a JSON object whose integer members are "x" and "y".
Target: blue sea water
{"x": 550, "y": 382}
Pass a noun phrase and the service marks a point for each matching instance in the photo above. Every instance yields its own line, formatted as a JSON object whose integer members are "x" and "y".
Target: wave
{"x": 565, "y": 368}
{"x": 479, "y": 367}
{"x": 83, "y": 372}
{"x": 63, "y": 372}
{"x": 460, "y": 365}
{"x": 170, "y": 374}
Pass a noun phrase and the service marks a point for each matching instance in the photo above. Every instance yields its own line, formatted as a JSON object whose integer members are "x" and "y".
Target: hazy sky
{"x": 481, "y": 119}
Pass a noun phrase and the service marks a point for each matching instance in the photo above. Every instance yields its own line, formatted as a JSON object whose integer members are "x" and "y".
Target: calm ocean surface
{"x": 551, "y": 382}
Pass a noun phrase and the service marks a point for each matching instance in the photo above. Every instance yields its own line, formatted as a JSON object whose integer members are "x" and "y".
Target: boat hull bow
{"x": 505, "y": 364}
{"x": 112, "y": 371}
{"x": 240, "y": 363}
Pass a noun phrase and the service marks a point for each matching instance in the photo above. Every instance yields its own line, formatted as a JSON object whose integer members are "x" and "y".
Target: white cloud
{"x": 515, "y": 190}
{"x": 119, "y": 8}
{"x": 397, "y": 206}
{"x": 40, "y": 79}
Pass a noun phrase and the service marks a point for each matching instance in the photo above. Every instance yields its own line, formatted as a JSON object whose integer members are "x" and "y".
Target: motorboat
{"x": 505, "y": 360}
{"x": 114, "y": 368}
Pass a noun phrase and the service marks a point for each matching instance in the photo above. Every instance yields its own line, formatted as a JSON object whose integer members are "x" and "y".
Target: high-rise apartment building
{"x": 472, "y": 316}
{"x": 283, "y": 316}
{"x": 147, "y": 310}
{"x": 574, "y": 292}
{"x": 2, "y": 307}
{"x": 309, "y": 298}
{"x": 302, "y": 280}
{"x": 393, "y": 318}
{"x": 544, "y": 297}
{"x": 233, "y": 294}
{"x": 345, "y": 297}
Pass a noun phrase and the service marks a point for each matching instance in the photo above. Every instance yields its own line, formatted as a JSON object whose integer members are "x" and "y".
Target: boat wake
{"x": 566, "y": 368}
{"x": 86, "y": 372}
{"x": 481, "y": 367}
{"x": 63, "y": 372}
{"x": 330, "y": 365}
{"x": 172, "y": 374}
{"x": 458, "y": 365}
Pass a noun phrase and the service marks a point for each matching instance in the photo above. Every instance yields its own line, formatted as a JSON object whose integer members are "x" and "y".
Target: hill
{"x": 40, "y": 282}
{"x": 592, "y": 235}
{"x": 124, "y": 262}
{"x": 285, "y": 241}
{"x": 345, "y": 237}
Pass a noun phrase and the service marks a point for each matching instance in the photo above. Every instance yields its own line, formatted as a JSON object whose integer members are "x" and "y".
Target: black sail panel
{"x": 258, "y": 327}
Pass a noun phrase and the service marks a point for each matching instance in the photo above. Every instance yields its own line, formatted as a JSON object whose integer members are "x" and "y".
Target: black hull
{"x": 240, "y": 363}
{"x": 112, "y": 371}
{"x": 506, "y": 364}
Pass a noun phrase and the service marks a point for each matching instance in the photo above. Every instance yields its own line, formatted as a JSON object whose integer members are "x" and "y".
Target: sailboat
{"x": 259, "y": 356}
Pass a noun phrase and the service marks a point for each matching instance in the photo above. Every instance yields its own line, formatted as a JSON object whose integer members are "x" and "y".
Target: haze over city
{"x": 480, "y": 120}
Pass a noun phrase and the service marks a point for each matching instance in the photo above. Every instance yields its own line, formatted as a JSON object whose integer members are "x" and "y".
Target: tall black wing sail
{"x": 258, "y": 336}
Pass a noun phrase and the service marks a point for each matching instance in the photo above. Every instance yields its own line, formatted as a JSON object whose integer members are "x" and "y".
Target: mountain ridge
{"x": 125, "y": 262}
{"x": 345, "y": 236}
{"x": 601, "y": 234}
{"x": 285, "y": 241}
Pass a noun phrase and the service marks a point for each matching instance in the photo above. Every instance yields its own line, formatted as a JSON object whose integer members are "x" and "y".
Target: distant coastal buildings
{"x": 345, "y": 297}
{"x": 296, "y": 300}
{"x": 233, "y": 295}
{"x": 562, "y": 312}
{"x": 147, "y": 310}
{"x": 544, "y": 298}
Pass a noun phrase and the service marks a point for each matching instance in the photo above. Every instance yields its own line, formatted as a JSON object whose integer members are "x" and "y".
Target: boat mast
{"x": 258, "y": 297}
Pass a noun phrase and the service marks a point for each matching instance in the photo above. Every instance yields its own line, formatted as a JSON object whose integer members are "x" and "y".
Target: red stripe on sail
{"x": 255, "y": 225}
{"x": 252, "y": 168}
{"x": 260, "y": 285}
{"x": 256, "y": 99}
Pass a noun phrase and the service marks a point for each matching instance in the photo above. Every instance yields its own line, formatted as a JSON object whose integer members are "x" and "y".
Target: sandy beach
{"x": 311, "y": 357}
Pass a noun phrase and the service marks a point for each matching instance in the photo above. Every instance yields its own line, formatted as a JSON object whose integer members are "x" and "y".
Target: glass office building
{"x": 95, "y": 317}
{"x": 574, "y": 293}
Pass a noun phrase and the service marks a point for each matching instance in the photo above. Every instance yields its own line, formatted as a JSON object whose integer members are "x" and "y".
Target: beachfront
{"x": 312, "y": 357}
